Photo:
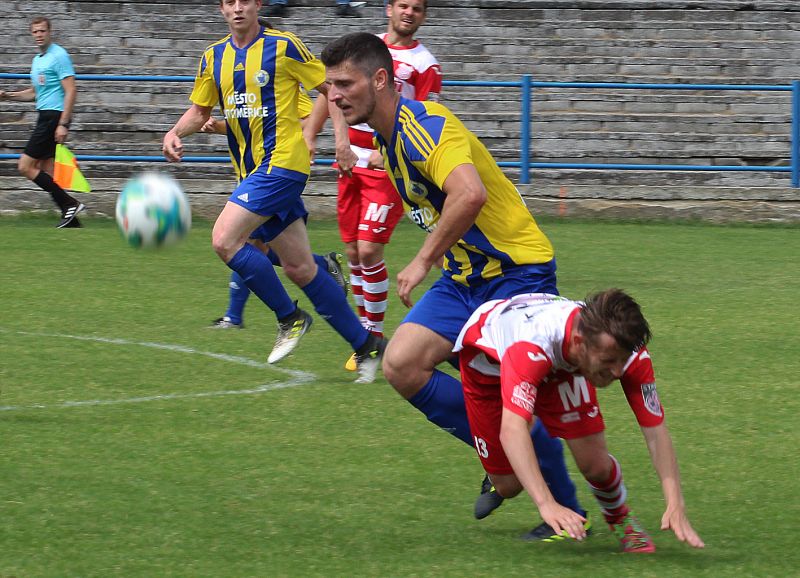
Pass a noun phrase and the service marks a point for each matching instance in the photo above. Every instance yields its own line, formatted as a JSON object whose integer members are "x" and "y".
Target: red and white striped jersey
{"x": 529, "y": 334}
{"x": 417, "y": 75}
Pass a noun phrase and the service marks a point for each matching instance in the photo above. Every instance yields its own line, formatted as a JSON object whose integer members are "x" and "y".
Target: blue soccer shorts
{"x": 447, "y": 305}
{"x": 276, "y": 195}
{"x": 275, "y": 226}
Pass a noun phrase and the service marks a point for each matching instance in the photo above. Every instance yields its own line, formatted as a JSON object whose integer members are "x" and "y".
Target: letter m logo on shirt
{"x": 573, "y": 394}
{"x": 377, "y": 213}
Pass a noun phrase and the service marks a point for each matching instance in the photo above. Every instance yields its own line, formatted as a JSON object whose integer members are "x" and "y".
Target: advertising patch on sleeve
{"x": 524, "y": 396}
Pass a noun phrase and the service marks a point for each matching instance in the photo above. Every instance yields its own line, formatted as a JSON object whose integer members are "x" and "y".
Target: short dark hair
{"x": 39, "y": 20}
{"x": 614, "y": 312}
{"x": 424, "y": 4}
{"x": 365, "y": 51}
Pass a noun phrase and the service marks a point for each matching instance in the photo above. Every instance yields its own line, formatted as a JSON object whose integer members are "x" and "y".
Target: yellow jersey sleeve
{"x": 302, "y": 64}
{"x": 205, "y": 91}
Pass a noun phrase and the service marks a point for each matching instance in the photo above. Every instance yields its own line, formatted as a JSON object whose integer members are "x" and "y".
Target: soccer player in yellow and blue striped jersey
{"x": 253, "y": 75}
{"x": 258, "y": 99}
{"x": 478, "y": 225}
{"x": 431, "y": 143}
{"x": 237, "y": 289}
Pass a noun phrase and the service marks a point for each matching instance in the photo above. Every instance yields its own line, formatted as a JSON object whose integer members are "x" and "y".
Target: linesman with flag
{"x": 53, "y": 89}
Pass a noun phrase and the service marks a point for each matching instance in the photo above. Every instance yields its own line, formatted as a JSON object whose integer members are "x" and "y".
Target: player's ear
{"x": 380, "y": 78}
{"x": 577, "y": 338}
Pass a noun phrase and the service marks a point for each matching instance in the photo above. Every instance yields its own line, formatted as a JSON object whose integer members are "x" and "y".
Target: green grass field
{"x": 134, "y": 441}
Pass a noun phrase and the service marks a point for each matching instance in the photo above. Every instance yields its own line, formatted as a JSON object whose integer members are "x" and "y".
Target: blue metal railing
{"x": 526, "y": 86}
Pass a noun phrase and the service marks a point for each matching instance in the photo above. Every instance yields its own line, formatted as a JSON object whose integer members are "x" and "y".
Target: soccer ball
{"x": 153, "y": 211}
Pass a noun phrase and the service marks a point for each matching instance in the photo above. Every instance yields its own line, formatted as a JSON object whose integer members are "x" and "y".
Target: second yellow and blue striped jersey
{"x": 257, "y": 90}
{"x": 427, "y": 144}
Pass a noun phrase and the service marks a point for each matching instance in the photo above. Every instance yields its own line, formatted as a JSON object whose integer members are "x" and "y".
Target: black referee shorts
{"x": 42, "y": 144}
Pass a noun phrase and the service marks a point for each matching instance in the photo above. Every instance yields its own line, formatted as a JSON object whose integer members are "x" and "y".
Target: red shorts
{"x": 568, "y": 409}
{"x": 368, "y": 207}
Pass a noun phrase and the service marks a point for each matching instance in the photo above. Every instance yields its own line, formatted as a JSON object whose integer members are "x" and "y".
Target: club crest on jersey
{"x": 261, "y": 78}
{"x": 651, "y": 401}
{"x": 416, "y": 192}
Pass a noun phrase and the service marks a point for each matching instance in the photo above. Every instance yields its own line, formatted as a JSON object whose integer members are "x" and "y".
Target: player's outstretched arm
{"x": 665, "y": 462}
{"x": 191, "y": 122}
{"x": 465, "y": 197}
{"x": 516, "y": 441}
{"x": 24, "y": 95}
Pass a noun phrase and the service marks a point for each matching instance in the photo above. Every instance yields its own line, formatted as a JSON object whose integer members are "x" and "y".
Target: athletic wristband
{"x": 64, "y": 124}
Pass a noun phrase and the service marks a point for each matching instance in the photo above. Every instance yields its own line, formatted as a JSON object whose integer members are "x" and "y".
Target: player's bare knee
{"x": 404, "y": 377}
{"x": 301, "y": 274}
{"x": 352, "y": 254}
{"x": 370, "y": 255}
{"x": 223, "y": 246}
{"x": 27, "y": 170}
{"x": 507, "y": 486}
{"x": 596, "y": 470}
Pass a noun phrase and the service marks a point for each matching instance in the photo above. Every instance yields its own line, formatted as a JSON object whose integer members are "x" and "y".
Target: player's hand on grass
{"x": 412, "y": 275}
{"x": 563, "y": 519}
{"x": 675, "y": 519}
{"x": 172, "y": 147}
{"x": 345, "y": 159}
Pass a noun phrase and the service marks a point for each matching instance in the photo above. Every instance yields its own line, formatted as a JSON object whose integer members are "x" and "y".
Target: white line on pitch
{"x": 297, "y": 377}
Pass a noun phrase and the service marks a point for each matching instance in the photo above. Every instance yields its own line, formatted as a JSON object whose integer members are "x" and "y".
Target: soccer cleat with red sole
{"x": 632, "y": 536}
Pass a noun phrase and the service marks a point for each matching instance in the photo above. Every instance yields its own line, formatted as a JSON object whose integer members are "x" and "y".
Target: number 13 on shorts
{"x": 480, "y": 447}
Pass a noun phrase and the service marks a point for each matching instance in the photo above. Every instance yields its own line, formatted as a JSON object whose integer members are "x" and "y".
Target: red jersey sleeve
{"x": 428, "y": 84}
{"x": 639, "y": 385}
{"x": 523, "y": 367}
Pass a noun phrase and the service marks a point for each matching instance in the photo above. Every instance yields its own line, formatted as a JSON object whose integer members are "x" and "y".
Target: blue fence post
{"x": 525, "y": 132}
{"x": 796, "y": 133}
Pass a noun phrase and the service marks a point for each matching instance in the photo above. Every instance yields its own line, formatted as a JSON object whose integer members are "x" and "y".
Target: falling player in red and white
{"x": 368, "y": 206}
{"x": 541, "y": 356}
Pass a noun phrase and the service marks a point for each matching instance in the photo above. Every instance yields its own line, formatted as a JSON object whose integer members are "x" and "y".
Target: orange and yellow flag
{"x": 66, "y": 172}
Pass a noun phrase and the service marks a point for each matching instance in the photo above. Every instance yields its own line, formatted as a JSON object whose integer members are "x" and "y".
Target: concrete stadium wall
{"x": 713, "y": 41}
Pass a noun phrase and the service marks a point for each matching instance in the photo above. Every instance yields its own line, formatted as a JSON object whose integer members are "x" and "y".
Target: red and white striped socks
{"x": 611, "y": 494}
{"x": 375, "y": 289}
{"x": 356, "y": 286}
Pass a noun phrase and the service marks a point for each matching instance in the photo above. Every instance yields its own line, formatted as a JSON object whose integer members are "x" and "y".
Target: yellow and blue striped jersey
{"x": 427, "y": 144}
{"x": 257, "y": 90}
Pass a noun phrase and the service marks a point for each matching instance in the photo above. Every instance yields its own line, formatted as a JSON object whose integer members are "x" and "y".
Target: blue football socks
{"x": 442, "y": 402}
{"x": 259, "y": 276}
{"x": 238, "y": 298}
{"x": 331, "y": 304}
